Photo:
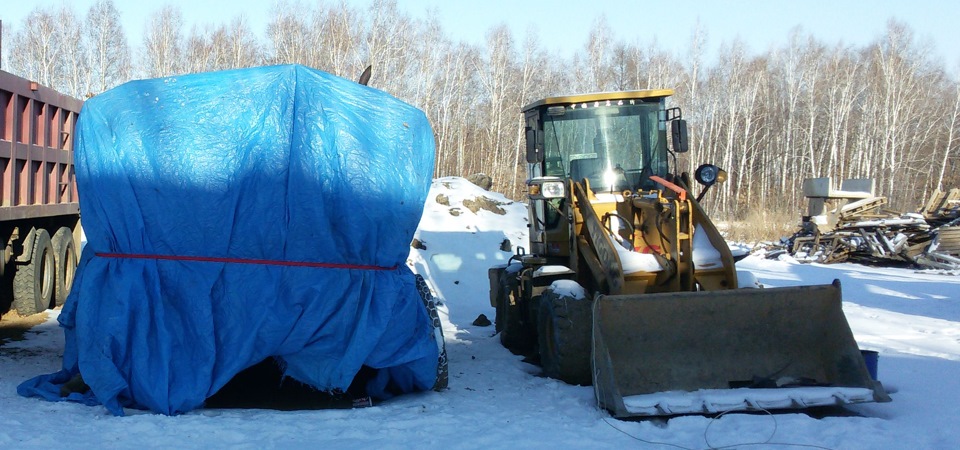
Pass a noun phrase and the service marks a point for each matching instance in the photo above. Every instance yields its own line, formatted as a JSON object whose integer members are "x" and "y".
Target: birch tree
{"x": 235, "y": 45}
{"x": 287, "y": 32}
{"x": 339, "y": 42}
{"x": 163, "y": 43}
{"x": 494, "y": 75}
{"x": 107, "y": 49}
{"x": 35, "y": 50}
{"x": 73, "y": 68}
{"x": 950, "y": 146}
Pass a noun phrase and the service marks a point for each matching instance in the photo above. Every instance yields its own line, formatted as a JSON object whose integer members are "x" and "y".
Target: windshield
{"x": 613, "y": 147}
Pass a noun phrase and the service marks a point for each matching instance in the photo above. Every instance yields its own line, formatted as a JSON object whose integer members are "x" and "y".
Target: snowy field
{"x": 497, "y": 401}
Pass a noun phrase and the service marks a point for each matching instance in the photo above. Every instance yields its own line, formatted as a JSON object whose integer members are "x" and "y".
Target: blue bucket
{"x": 870, "y": 358}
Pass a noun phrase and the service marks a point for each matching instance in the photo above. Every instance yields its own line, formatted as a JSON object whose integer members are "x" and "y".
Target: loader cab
{"x": 613, "y": 141}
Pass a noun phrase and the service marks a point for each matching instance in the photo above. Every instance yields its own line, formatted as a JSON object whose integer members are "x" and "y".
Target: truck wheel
{"x": 33, "y": 282}
{"x": 65, "y": 257}
{"x": 430, "y": 302}
{"x": 564, "y": 335}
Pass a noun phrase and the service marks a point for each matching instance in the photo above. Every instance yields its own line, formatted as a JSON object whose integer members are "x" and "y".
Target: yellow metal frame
{"x": 600, "y": 97}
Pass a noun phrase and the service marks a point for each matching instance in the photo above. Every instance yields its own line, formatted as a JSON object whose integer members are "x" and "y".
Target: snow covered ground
{"x": 497, "y": 401}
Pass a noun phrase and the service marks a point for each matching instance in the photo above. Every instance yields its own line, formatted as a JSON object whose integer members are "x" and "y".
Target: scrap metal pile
{"x": 851, "y": 224}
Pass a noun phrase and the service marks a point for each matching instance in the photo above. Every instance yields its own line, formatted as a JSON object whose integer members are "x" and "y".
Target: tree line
{"x": 887, "y": 111}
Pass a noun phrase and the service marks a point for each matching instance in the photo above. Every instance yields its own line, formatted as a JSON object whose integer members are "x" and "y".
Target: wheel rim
{"x": 69, "y": 269}
{"x": 46, "y": 280}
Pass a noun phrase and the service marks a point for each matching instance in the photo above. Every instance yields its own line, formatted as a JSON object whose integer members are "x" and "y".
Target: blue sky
{"x": 563, "y": 25}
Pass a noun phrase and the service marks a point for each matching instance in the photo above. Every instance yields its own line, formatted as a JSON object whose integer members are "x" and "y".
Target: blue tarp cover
{"x": 238, "y": 215}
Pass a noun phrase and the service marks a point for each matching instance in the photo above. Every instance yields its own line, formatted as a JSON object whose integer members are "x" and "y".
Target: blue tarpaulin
{"x": 238, "y": 215}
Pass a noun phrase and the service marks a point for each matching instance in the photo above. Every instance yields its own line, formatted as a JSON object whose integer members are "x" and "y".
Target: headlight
{"x": 542, "y": 188}
{"x": 552, "y": 189}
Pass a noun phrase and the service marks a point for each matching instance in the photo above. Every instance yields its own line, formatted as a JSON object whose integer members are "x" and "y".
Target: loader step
{"x": 712, "y": 401}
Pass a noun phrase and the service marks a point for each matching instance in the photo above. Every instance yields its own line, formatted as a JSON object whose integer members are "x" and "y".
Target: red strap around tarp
{"x": 267, "y": 262}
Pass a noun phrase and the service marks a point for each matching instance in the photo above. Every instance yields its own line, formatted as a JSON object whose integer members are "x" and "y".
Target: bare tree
{"x": 770, "y": 118}
{"x": 495, "y": 73}
{"x": 600, "y": 77}
{"x": 236, "y": 45}
{"x": 336, "y": 40}
{"x": 950, "y": 147}
{"x": 287, "y": 33}
{"x": 688, "y": 93}
{"x": 389, "y": 44}
{"x": 897, "y": 64}
{"x": 843, "y": 73}
{"x": 49, "y": 49}
{"x": 199, "y": 54}
{"x": 35, "y": 49}
{"x": 4, "y": 37}
{"x": 108, "y": 52}
{"x": 163, "y": 43}
{"x": 72, "y": 70}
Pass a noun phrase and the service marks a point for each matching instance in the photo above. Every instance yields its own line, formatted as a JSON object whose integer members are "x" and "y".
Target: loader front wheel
{"x": 510, "y": 323}
{"x": 564, "y": 337}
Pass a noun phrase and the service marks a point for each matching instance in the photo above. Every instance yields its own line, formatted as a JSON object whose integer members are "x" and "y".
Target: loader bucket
{"x": 739, "y": 349}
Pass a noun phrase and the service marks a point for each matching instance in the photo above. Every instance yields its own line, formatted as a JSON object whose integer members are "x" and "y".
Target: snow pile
{"x": 465, "y": 230}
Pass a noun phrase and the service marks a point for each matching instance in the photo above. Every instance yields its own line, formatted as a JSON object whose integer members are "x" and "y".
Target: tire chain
{"x": 430, "y": 302}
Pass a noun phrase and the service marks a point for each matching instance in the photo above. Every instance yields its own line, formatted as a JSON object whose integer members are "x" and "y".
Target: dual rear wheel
{"x": 46, "y": 278}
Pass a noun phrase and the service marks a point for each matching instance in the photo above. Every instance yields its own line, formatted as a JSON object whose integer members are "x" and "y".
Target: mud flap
{"x": 739, "y": 349}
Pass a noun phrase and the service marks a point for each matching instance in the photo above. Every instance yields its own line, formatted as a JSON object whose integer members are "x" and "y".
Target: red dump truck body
{"x": 39, "y": 208}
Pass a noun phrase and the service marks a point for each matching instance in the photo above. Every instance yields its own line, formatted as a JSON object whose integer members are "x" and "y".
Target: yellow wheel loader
{"x": 629, "y": 286}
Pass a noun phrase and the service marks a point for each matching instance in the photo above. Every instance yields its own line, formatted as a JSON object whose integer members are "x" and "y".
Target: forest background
{"x": 888, "y": 110}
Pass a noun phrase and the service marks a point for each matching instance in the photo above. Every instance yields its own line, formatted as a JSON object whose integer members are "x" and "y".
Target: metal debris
{"x": 854, "y": 225}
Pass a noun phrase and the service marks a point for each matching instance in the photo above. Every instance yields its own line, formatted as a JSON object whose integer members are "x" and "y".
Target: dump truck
{"x": 39, "y": 208}
{"x": 629, "y": 286}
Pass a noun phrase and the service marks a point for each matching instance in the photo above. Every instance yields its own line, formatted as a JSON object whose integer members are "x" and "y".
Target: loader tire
{"x": 430, "y": 302}
{"x": 65, "y": 259}
{"x": 510, "y": 323}
{"x": 564, "y": 336}
{"x": 33, "y": 283}
{"x": 519, "y": 334}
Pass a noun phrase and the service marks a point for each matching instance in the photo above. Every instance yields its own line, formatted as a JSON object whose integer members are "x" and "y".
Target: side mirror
{"x": 678, "y": 130}
{"x": 534, "y": 154}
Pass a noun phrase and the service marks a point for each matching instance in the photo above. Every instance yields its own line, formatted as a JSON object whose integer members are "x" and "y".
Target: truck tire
{"x": 430, "y": 302}
{"x": 33, "y": 283}
{"x": 564, "y": 335}
{"x": 65, "y": 258}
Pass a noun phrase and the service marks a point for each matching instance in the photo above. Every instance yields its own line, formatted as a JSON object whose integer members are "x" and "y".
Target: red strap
{"x": 268, "y": 262}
